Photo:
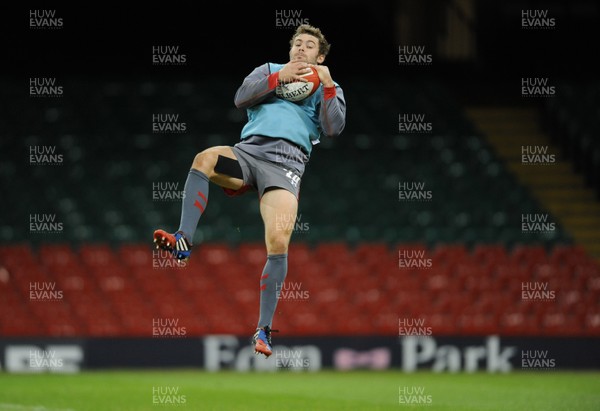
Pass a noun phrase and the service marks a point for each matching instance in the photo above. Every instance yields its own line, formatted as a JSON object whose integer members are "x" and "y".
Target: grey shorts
{"x": 262, "y": 174}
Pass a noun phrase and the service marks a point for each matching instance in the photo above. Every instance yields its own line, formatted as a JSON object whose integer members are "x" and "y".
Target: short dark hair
{"x": 324, "y": 46}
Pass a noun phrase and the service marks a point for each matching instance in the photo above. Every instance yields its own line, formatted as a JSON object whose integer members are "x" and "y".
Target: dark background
{"x": 228, "y": 40}
{"x": 106, "y": 47}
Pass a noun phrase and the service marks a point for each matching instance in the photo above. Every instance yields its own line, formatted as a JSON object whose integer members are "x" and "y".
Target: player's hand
{"x": 324, "y": 75}
{"x": 293, "y": 71}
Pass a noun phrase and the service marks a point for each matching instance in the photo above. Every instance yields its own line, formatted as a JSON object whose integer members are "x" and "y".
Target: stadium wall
{"x": 413, "y": 353}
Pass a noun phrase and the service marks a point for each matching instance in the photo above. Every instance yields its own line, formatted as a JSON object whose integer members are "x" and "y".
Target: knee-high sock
{"x": 270, "y": 286}
{"x": 194, "y": 202}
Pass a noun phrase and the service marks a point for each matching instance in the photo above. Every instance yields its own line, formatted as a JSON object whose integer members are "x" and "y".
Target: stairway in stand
{"x": 514, "y": 132}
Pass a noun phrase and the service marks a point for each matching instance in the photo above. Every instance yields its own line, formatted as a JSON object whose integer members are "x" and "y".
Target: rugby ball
{"x": 299, "y": 90}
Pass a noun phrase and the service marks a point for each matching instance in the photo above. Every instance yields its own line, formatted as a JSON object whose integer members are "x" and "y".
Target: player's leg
{"x": 278, "y": 208}
{"x": 206, "y": 167}
{"x": 219, "y": 164}
{"x": 216, "y": 164}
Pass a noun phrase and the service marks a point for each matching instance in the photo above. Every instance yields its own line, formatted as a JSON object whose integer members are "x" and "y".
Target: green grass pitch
{"x": 303, "y": 391}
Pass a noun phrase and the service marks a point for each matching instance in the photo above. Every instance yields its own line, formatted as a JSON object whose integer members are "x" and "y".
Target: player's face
{"x": 306, "y": 48}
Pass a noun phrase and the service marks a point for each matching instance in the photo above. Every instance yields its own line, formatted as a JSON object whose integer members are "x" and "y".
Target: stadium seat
{"x": 348, "y": 259}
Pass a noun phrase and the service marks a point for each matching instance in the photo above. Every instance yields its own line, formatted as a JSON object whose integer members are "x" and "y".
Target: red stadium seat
{"x": 568, "y": 254}
{"x": 97, "y": 255}
{"x": 526, "y": 255}
{"x": 592, "y": 324}
{"x": 58, "y": 255}
{"x": 478, "y": 323}
{"x": 450, "y": 254}
{"x": 333, "y": 253}
{"x": 136, "y": 254}
{"x": 215, "y": 254}
{"x": 300, "y": 253}
{"x": 489, "y": 254}
{"x": 17, "y": 254}
{"x": 360, "y": 290}
{"x": 374, "y": 254}
{"x": 252, "y": 253}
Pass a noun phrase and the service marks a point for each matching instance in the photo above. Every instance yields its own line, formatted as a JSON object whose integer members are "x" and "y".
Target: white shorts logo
{"x": 294, "y": 179}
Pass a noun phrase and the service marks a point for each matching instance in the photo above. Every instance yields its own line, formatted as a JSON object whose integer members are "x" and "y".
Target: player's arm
{"x": 332, "y": 116}
{"x": 257, "y": 86}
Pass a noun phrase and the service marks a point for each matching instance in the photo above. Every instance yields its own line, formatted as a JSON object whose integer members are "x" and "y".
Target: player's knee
{"x": 205, "y": 161}
{"x": 278, "y": 243}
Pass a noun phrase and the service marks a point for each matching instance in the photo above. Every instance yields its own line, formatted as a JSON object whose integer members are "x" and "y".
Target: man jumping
{"x": 275, "y": 126}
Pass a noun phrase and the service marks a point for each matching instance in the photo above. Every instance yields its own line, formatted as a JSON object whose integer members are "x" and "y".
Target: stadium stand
{"x": 354, "y": 226}
{"x": 572, "y": 120}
